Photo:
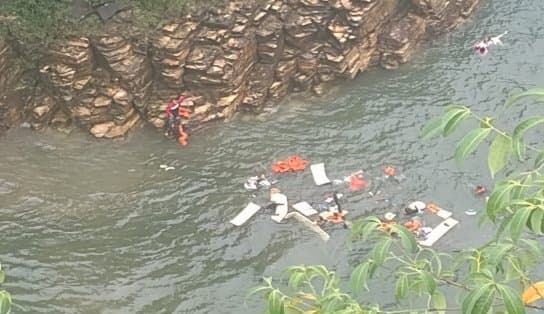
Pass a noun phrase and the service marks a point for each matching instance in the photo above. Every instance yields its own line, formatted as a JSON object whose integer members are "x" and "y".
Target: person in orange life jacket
{"x": 414, "y": 224}
{"x": 387, "y": 221}
{"x": 336, "y": 217}
{"x": 173, "y": 113}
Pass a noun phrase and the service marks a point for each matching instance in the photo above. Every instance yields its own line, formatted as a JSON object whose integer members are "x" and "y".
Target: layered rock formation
{"x": 11, "y": 107}
{"x": 239, "y": 58}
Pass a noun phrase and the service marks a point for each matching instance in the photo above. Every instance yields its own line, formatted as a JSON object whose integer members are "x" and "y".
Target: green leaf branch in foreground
{"x": 5, "y": 297}
{"x": 487, "y": 279}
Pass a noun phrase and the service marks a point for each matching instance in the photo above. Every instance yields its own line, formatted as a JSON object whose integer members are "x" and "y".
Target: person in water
{"x": 336, "y": 200}
{"x": 480, "y": 189}
{"x": 334, "y": 214}
{"x": 482, "y": 47}
{"x": 415, "y": 208}
{"x": 387, "y": 221}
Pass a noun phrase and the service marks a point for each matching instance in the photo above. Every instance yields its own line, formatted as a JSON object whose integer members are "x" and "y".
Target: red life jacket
{"x": 174, "y": 106}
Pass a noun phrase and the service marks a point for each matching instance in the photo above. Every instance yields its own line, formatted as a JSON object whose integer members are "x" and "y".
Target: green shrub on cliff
{"x": 39, "y": 22}
{"x": 488, "y": 279}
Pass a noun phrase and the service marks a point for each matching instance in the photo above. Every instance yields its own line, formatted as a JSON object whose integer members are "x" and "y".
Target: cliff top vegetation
{"x": 36, "y": 23}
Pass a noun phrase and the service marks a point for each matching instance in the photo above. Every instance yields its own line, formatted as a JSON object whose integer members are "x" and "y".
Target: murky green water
{"x": 93, "y": 226}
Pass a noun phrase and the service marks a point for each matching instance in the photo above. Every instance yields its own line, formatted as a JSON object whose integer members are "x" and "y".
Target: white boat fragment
{"x": 305, "y": 208}
{"x": 310, "y": 224}
{"x": 282, "y": 206}
{"x": 248, "y": 212}
{"x": 319, "y": 175}
{"x": 438, "y": 232}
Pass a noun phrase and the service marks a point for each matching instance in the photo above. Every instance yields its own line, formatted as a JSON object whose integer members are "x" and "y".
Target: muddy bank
{"x": 241, "y": 58}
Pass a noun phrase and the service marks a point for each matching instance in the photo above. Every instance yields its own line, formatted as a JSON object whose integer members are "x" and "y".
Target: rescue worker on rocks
{"x": 174, "y": 113}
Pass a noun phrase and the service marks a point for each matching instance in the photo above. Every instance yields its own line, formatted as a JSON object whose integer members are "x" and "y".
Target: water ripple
{"x": 98, "y": 227}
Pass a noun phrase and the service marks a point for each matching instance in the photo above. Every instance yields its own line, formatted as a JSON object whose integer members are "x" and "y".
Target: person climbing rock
{"x": 172, "y": 114}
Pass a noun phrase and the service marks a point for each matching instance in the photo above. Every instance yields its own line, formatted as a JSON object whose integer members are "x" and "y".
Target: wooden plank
{"x": 438, "y": 232}
{"x": 319, "y": 175}
{"x": 248, "y": 212}
{"x": 310, "y": 224}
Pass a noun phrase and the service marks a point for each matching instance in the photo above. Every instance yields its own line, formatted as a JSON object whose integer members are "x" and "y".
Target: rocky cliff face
{"x": 10, "y": 107}
{"x": 240, "y": 58}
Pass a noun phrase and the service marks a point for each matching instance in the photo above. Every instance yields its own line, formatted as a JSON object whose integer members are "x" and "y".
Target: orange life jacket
{"x": 336, "y": 218}
{"x": 413, "y": 225}
{"x": 390, "y": 171}
{"x": 293, "y": 163}
{"x": 182, "y": 139}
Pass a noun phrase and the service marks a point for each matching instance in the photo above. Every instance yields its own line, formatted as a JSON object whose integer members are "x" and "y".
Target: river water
{"x": 91, "y": 226}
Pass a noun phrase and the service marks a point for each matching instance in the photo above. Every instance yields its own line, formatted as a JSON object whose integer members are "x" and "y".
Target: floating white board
{"x": 282, "y": 208}
{"x": 438, "y": 232}
{"x": 250, "y": 210}
{"x": 444, "y": 214}
{"x": 310, "y": 224}
{"x": 305, "y": 208}
{"x": 318, "y": 172}
{"x": 440, "y": 212}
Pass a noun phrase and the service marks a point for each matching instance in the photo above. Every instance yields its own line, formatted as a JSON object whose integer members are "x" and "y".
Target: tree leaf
{"x": 5, "y": 302}
{"x": 453, "y": 118}
{"x": 533, "y": 246}
{"x": 428, "y": 282}
{"x": 481, "y": 277}
{"x": 401, "y": 287}
{"x": 527, "y": 124}
{"x": 381, "y": 250}
{"x": 518, "y": 221}
{"x": 438, "y": 300}
{"x": 483, "y": 305}
{"x": 498, "y": 199}
{"x": 534, "y": 92}
{"x": 536, "y": 219}
{"x": 407, "y": 238}
{"x": 517, "y": 142}
{"x": 275, "y": 303}
{"x": 512, "y": 299}
{"x": 539, "y": 160}
{"x": 331, "y": 302}
{"x": 520, "y": 187}
{"x": 519, "y": 148}
{"x": 295, "y": 279}
{"x": 469, "y": 143}
{"x": 478, "y": 294}
{"x": 432, "y": 128}
{"x": 500, "y": 151}
{"x": 496, "y": 252}
{"x": 258, "y": 289}
{"x": 360, "y": 276}
{"x": 319, "y": 270}
{"x": 2, "y": 276}
{"x": 365, "y": 227}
